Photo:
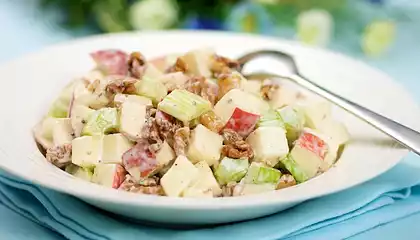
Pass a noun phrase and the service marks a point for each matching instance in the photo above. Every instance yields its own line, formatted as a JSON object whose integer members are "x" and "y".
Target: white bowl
{"x": 31, "y": 83}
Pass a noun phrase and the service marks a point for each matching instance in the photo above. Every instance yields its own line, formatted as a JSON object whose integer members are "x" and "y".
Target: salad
{"x": 187, "y": 125}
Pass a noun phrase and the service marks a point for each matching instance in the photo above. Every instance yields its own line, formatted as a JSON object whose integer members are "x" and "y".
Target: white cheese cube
{"x": 205, "y": 185}
{"x": 109, "y": 175}
{"x": 114, "y": 146}
{"x": 178, "y": 177}
{"x": 86, "y": 151}
{"x": 205, "y": 145}
{"x": 309, "y": 152}
{"x": 62, "y": 132}
{"x": 132, "y": 119}
{"x": 269, "y": 144}
{"x": 237, "y": 98}
{"x": 165, "y": 154}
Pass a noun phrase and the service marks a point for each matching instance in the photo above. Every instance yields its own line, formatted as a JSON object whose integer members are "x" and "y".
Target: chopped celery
{"x": 292, "y": 166}
{"x": 294, "y": 121}
{"x": 270, "y": 119}
{"x": 79, "y": 172}
{"x": 60, "y": 107}
{"x": 184, "y": 105}
{"x": 152, "y": 89}
{"x": 258, "y": 173}
{"x": 231, "y": 170}
{"x": 102, "y": 121}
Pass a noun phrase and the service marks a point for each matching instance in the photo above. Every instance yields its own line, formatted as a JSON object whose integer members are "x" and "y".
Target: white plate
{"x": 31, "y": 83}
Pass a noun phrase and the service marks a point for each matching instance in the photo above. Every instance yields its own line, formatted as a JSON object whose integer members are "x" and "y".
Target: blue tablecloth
{"x": 25, "y": 30}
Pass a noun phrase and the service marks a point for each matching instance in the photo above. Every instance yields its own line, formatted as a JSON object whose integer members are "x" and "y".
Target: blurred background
{"x": 383, "y": 33}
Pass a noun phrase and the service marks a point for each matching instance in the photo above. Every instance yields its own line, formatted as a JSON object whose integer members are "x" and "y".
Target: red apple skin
{"x": 313, "y": 143}
{"x": 242, "y": 122}
{"x": 142, "y": 158}
{"x": 119, "y": 177}
{"x": 111, "y": 61}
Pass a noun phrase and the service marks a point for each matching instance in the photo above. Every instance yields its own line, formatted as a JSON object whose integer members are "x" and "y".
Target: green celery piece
{"x": 270, "y": 119}
{"x": 184, "y": 105}
{"x": 292, "y": 166}
{"x": 231, "y": 170}
{"x": 102, "y": 121}
{"x": 79, "y": 172}
{"x": 60, "y": 106}
{"x": 294, "y": 121}
{"x": 152, "y": 89}
{"x": 258, "y": 173}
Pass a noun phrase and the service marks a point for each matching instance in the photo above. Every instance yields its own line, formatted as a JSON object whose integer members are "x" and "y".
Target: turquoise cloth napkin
{"x": 343, "y": 215}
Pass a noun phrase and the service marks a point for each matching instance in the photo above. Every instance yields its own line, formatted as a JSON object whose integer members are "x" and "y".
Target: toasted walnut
{"x": 235, "y": 146}
{"x": 167, "y": 124}
{"x": 227, "y": 191}
{"x": 222, "y": 65}
{"x": 136, "y": 64}
{"x": 159, "y": 127}
{"x": 268, "y": 89}
{"x": 227, "y": 82}
{"x": 202, "y": 87}
{"x": 181, "y": 138}
{"x": 59, "y": 156}
{"x": 150, "y": 131}
{"x": 146, "y": 186}
{"x": 211, "y": 121}
{"x": 120, "y": 85}
{"x": 179, "y": 66}
{"x": 286, "y": 180}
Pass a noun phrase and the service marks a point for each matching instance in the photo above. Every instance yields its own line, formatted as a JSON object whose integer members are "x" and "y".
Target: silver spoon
{"x": 402, "y": 134}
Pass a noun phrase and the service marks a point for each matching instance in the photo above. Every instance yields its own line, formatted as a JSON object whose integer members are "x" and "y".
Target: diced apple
{"x": 242, "y": 122}
{"x": 179, "y": 177}
{"x": 271, "y": 119}
{"x": 334, "y": 129}
{"x": 152, "y": 89}
{"x": 114, "y": 146}
{"x": 47, "y": 126}
{"x": 132, "y": 119}
{"x": 294, "y": 120}
{"x": 120, "y": 98}
{"x": 140, "y": 161}
{"x": 93, "y": 76}
{"x": 159, "y": 63}
{"x": 198, "y": 62}
{"x": 102, "y": 121}
{"x": 331, "y": 156}
{"x": 82, "y": 173}
{"x": 174, "y": 80}
{"x": 165, "y": 154}
{"x": 62, "y": 132}
{"x": 269, "y": 145}
{"x": 237, "y": 98}
{"x": 111, "y": 61}
{"x": 309, "y": 152}
{"x": 79, "y": 117}
{"x": 60, "y": 107}
{"x": 231, "y": 170}
{"x": 284, "y": 96}
{"x": 243, "y": 189}
{"x": 95, "y": 100}
{"x": 252, "y": 86}
{"x": 205, "y": 185}
{"x": 316, "y": 112}
{"x": 258, "y": 173}
{"x": 86, "y": 151}
{"x": 109, "y": 175}
{"x": 205, "y": 145}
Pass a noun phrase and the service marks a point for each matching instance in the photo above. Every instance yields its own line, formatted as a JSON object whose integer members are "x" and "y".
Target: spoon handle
{"x": 404, "y": 135}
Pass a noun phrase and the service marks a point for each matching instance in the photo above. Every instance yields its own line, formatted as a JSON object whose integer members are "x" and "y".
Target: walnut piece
{"x": 179, "y": 66}
{"x": 222, "y": 65}
{"x": 181, "y": 139}
{"x": 286, "y": 180}
{"x": 136, "y": 64}
{"x": 202, "y": 87}
{"x": 227, "y": 82}
{"x": 268, "y": 89}
{"x": 159, "y": 127}
{"x": 211, "y": 121}
{"x": 235, "y": 146}
{"x": 120, "y": 85}
{"x": 146, "y": 186}
{"x": 59, "y": 156}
